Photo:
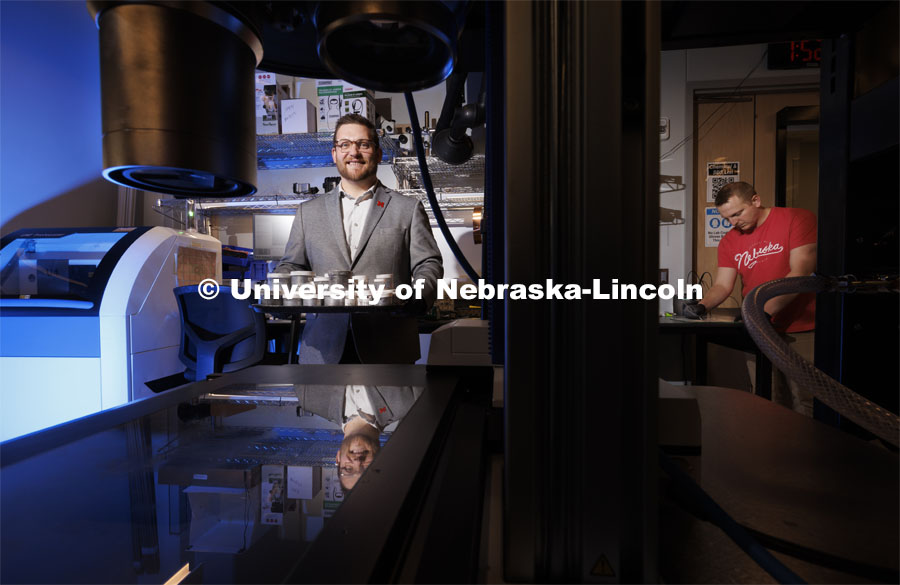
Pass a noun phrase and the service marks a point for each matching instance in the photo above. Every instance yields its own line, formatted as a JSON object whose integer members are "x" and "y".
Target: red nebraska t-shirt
{"x": 763, "y": 255}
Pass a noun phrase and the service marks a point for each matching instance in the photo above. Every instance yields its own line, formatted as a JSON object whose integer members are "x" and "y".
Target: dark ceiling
{"x": 289, "y": 35}
{"x": 695, "y": 24}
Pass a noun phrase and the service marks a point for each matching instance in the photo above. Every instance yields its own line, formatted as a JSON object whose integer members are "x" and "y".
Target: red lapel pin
{"x": 380, "y": 203}
{"x": 382, "y": 409}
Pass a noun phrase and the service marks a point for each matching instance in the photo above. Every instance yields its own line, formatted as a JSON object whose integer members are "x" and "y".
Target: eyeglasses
{"x": 361, "y": 145}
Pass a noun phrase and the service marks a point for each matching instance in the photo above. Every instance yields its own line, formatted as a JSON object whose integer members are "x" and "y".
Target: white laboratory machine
{"x": 87, "y": 316}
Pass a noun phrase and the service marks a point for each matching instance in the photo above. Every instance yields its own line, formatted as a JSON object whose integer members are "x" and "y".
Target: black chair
{"x": 218, "y": 335}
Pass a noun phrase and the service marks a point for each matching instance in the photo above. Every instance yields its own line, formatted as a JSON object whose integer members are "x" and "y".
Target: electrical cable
{"x": 814, "y": 556}
{"x": 701, "y": 505}
{"x": 721, "y": 117}
{"x": 429, "y": 189}
{"x": 824, "y": 559}
{"x": 688, "y": 138}
{"x": 172, "y": 217}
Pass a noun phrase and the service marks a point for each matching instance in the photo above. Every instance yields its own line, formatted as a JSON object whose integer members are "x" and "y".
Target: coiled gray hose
{"x": 875, "y": 419}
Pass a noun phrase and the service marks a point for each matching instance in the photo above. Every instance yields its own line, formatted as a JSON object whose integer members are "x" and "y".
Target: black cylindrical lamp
{"x": 177, "y": 84}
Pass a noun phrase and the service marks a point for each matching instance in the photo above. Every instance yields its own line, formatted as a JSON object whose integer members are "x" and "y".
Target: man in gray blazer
{"x": 362, "y": 226}
{"x": 363, "y": 413}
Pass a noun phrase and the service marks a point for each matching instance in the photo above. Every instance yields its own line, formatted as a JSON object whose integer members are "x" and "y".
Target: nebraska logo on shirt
{"x": 750, "y": 257}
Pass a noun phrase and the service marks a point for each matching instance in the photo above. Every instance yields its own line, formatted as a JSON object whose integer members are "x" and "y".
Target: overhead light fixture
{"x": 453, "y": 145}
{"x": 178, "y": 97}
{"x": 388, "y": 46}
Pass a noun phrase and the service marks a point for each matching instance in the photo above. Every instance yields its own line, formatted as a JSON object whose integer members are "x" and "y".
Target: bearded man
{"x": 363, "y": 227}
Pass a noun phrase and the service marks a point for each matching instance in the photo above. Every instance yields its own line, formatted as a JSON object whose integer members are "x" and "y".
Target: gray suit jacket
{"x": 391, "y": 403}
{"x": 396, "y": 239}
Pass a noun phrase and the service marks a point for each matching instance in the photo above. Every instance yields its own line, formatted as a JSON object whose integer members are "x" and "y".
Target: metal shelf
{"x": 468, "y": 176}
{"x": 447, "y": 199}
{"x": 295, "y": 151}
{"x": 241, "y": 205}
{"x": 458, "y": 187}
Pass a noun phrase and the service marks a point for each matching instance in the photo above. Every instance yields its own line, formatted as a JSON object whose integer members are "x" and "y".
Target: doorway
{"x": 737, "y": 135}
{"x": 797, "y": 158}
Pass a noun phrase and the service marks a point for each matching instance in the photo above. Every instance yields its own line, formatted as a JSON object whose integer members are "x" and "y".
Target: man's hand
{"x": 415, "y": 307}
{"x": 693, "y": 309}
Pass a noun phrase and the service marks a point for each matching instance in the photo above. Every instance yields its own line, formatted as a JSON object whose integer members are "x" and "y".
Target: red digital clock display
{"x": 795, "y": 54}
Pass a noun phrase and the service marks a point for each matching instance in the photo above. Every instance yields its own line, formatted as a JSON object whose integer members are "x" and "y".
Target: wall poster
{"x": 719, "y": 174}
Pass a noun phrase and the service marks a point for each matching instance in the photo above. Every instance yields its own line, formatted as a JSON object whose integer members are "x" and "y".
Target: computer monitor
{"x": 270, "y": 235}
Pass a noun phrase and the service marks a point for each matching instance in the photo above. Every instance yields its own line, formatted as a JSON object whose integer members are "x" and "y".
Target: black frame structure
{"x": 582, "y": 158}
{"x": 856, "y": 336}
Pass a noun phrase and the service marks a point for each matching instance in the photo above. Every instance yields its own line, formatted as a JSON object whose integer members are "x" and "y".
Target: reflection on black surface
{"x": 358, "y": 450}
{"x": 364, "y": 413}
{"x": 237, "y": 494}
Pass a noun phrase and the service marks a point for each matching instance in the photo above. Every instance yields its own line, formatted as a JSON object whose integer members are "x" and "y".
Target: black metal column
{"x": 582, "y": 204}
{"x": 834, "y": 157}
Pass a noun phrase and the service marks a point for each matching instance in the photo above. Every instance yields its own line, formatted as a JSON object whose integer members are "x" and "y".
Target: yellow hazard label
{"x": 602, "y": 568}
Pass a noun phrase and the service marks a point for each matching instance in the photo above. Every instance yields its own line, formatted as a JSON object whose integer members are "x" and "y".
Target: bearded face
{"x": 355, "y": 164}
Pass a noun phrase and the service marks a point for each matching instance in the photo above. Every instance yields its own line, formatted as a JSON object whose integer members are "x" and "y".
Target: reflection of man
{"x": 363, "y": 413}
{"x": 366, "y": 228}
{"x": 767, "y": 244}
{"x": 358, "y": 449}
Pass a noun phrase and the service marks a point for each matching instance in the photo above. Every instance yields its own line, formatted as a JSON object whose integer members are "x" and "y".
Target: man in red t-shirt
{"x": 767, "y": 243}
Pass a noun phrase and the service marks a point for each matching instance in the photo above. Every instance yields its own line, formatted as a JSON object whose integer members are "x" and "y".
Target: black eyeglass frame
{"x": 375, "y": 145}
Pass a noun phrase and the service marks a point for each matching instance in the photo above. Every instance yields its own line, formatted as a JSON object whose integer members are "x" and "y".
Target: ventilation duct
{"x": 177, "y": 83}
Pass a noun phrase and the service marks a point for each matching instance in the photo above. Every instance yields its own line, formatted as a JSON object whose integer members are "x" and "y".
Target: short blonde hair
{"x": 740, "y": 189}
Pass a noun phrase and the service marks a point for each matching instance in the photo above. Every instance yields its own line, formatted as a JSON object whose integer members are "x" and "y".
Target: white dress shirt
{"x": 357, "y": 403}
{"x": 354, "y": 212}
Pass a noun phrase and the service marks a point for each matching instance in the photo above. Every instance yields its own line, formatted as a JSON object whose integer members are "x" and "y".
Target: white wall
{"x": 733, "y": 63}
{"x": 681, "y": 73}
{"x": 50, "y": 126}
{"x": 674, "y": 239}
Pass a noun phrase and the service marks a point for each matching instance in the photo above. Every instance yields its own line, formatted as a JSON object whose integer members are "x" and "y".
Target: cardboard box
{"x": 333, "y": 492}
{"x": 185, "y": 471}
{"x": 329, "y": 93}
{"x": 297, "y": 117}
{"x": 303, "y": 482}
{"x": 219, "y": 521}
{"x": 269, "y": 95}
{"x": 357, "y": 100}
{"x": 337, "y": 98}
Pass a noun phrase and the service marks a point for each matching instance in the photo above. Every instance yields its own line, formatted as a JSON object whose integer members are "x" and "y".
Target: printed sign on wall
{"x": 716, "y": 227}
{"x": 272, "y": 494}
{"x": 719, "y": 174}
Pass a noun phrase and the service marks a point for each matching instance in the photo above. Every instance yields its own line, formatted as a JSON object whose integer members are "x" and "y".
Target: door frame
{"x": 789, "y": 116}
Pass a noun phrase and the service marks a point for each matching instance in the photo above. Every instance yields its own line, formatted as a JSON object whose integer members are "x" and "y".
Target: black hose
{"x": 429, "y": 189}
{"x": 878, "y": 574}
{"x": 455, "y": 84}
{"x": 696, "y": 498}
